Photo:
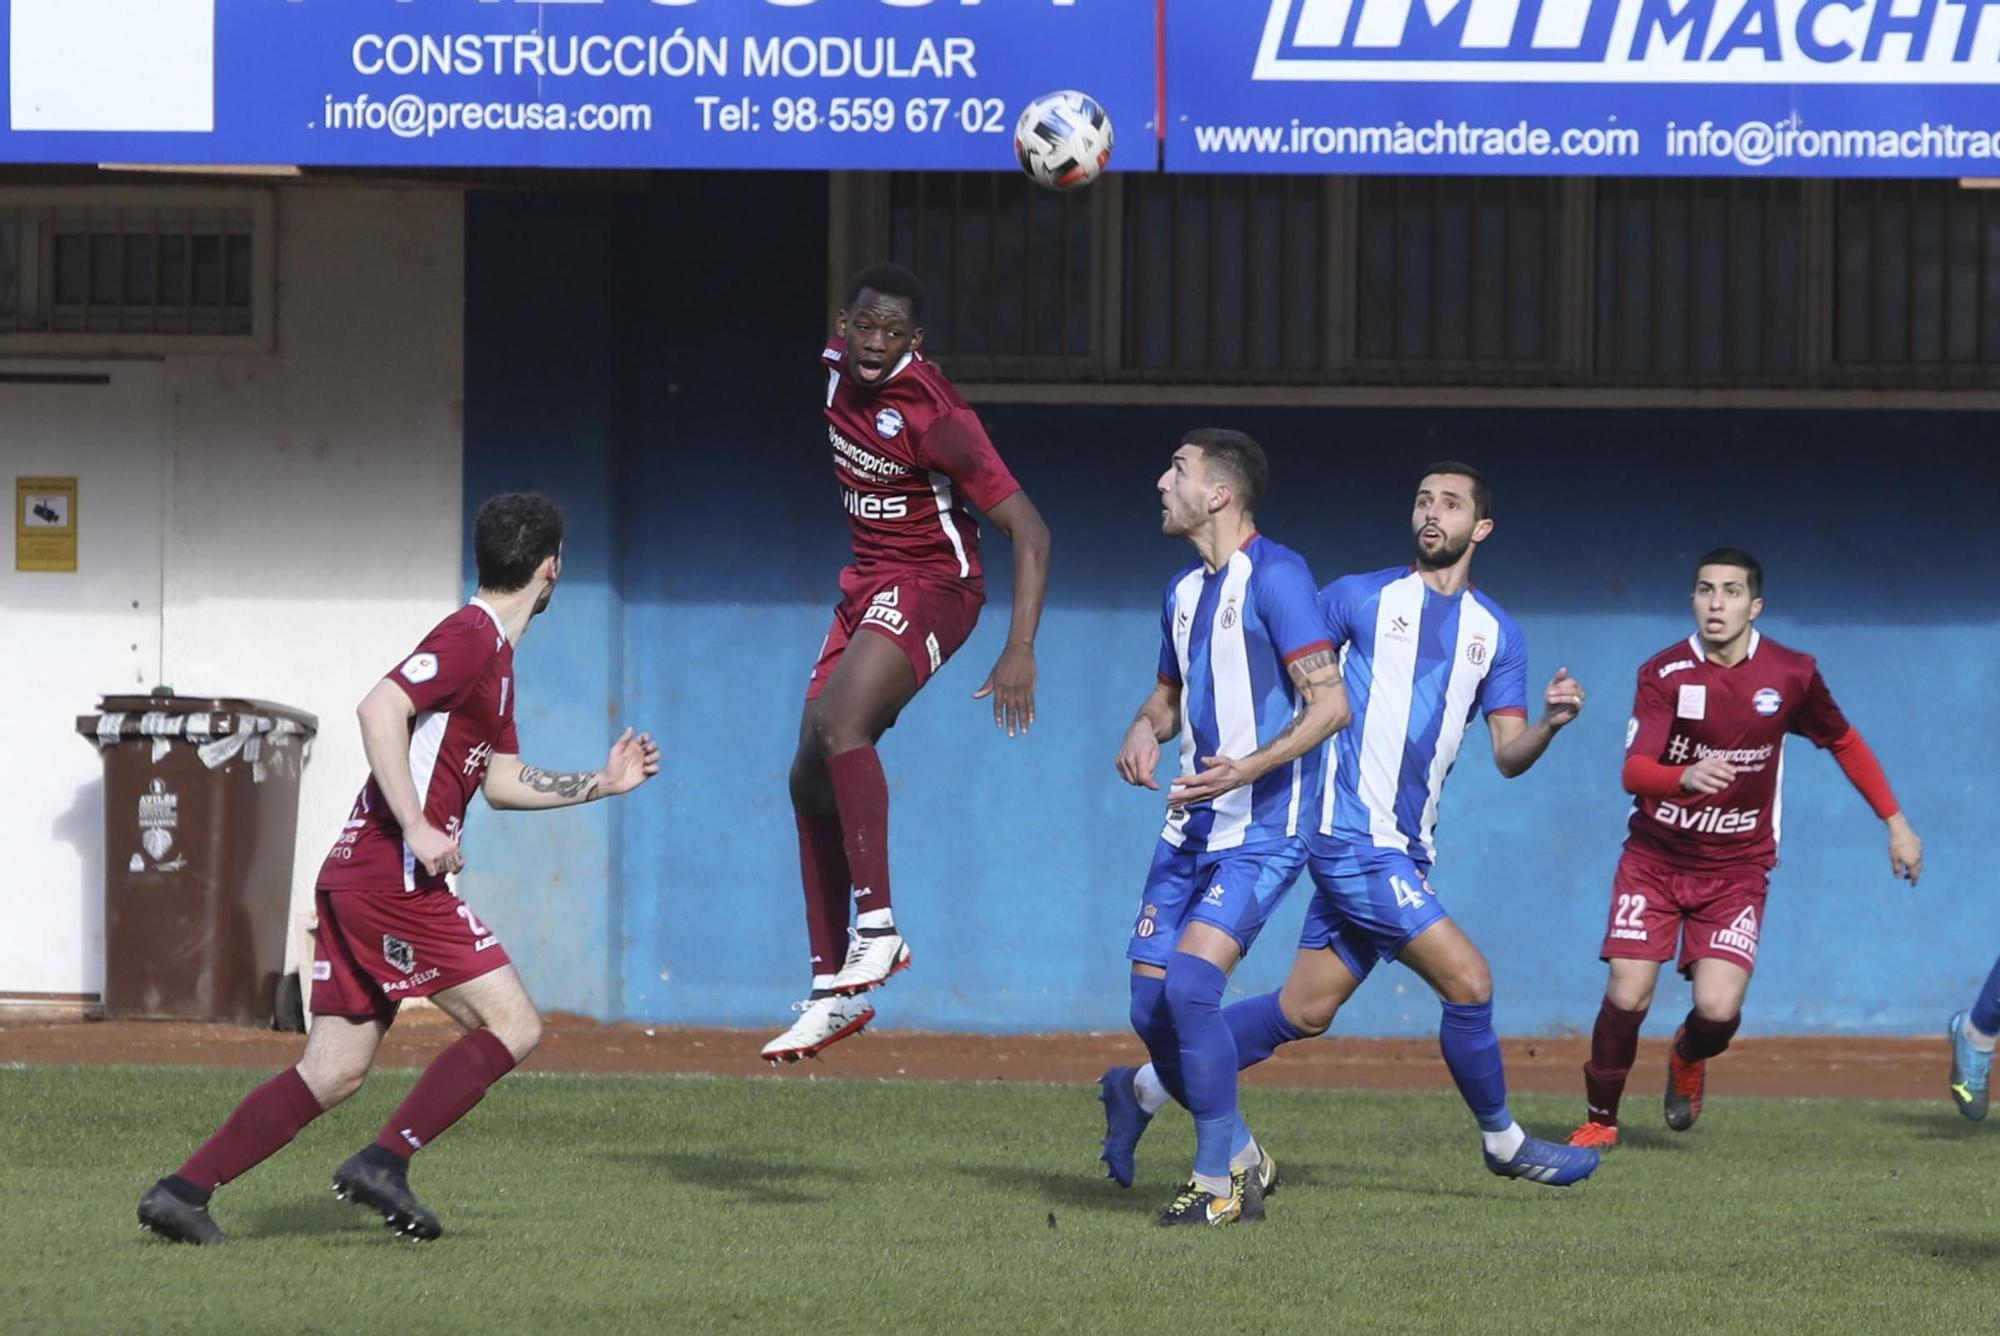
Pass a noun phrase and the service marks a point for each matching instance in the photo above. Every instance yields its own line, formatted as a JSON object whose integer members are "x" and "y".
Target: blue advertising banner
{"x": 1585, "y": 87}
{"x": 564, "y": 83}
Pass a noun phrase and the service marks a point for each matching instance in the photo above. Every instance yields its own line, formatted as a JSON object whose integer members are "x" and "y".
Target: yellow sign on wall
{"x": 45, "y": 524}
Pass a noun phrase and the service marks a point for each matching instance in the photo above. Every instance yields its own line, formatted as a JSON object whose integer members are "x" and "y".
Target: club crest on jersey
{"x": 1229, "y": 616}
{"x": 1475, "y": 653}
{"x": 888, "y": 424}
{"x": 1766, "y": 701}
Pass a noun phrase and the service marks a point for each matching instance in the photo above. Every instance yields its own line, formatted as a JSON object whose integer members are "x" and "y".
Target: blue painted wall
{"x": 648, "y": 360}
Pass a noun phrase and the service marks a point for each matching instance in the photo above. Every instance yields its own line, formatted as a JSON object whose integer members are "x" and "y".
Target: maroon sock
{"x": 1702, "y": 1039}
{"x": 456, "y": 1080}
{"x": 1614, "y": 1044}
{"x": 862, "y": 793}
{"x": 263, "y": 1124}
{"x": 823, "y": 869}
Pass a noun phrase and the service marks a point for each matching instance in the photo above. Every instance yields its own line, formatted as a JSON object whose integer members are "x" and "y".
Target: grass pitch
{"x": 688, "y": 1204}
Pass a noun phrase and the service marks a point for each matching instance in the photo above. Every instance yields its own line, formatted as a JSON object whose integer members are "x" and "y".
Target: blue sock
{"x": 1239, "y": 1137}
{"x": 1259, "y": 1026}
{"x": 1208, "y": 1058}
{"x": 1154, "y": 1025}
{"x": 1986, "y": 1011}
{"x": 1472, "y": 1052}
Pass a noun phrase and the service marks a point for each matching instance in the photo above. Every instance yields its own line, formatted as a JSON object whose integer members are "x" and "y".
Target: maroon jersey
{"x": 461, "y": 680}
{"x": 908, "y": 501}
{"x": 1688, "y": 708}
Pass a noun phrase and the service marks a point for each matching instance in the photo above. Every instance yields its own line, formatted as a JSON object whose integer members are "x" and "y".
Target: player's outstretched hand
{"x": 1710, "y": 775}
{"x": 436, "y": 851}
{"x": 1219, "y": 775}
{"x": 1140, "y": 756}
{"x": 1563, "y": 700}
{"x": 1906, "y": 851}
{"x": 632, "y": 762}
{"x": 1011, "y": 684}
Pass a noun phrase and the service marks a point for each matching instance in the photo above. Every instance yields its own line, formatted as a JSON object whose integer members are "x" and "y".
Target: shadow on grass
{"x": 1937, "y": 1122}
{"x": 1082, "y": 1190}
{"x": 300, "y": 1218}
{"x": 1973, "y": 1251}
{"x": 755, "y": 1182}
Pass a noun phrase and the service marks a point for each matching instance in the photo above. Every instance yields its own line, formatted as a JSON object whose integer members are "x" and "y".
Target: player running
{"x": 1248, "y": 683}
{"x": 1422, "y": 652}
{"x": 912, "y": 459}
{"x": 437, "y": 728}
{"x": 1704, "y": 763}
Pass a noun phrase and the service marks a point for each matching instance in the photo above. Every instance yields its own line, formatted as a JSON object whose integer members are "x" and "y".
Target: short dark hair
{"x": 1241, "y": 458}
{"x": 1735, "y": 556}
{"x": 888, "y": 280}
{"x": 513, "y": 534}
{"x": 1482, "y": 491}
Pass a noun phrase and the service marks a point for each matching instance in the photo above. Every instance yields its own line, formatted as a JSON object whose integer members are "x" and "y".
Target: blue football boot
{"x": 1124, "y": 1122}
{"x": 1970, "y": 1068}
{"x": 1547, "y": 1163}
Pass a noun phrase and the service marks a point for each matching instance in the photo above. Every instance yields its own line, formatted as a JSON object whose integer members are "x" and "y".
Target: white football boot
{"x": 871, "y": 959}
{"x": 823, "y": 1020}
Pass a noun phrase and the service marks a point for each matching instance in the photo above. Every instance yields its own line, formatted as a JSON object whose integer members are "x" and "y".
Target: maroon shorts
{"x": 376, "y": 948}
{"x": 1715, "y": 913}
{"x": 926, "y": 617}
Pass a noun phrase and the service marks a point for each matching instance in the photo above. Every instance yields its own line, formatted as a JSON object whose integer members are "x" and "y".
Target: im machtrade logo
{"x": 1631, "y": 41}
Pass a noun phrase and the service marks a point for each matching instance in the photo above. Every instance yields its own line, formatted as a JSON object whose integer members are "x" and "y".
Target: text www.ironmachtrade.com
{"x": 1439, "y": 138}
{"x": 1752, "y": 143}
{"x": 411, "y": 117}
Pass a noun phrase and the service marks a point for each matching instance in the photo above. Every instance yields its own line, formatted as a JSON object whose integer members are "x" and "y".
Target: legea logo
{"x": 1632, "y": 41}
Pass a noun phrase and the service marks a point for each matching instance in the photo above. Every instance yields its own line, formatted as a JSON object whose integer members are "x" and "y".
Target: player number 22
{"x": 1630, "y": 912}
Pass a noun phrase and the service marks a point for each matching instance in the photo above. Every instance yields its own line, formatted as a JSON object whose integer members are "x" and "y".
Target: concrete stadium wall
{"x": 623, "y": 355}
{"x": 301, "y": 519}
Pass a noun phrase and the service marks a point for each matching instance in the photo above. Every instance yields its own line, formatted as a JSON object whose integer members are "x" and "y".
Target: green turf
{"x": 696, "y": 1205}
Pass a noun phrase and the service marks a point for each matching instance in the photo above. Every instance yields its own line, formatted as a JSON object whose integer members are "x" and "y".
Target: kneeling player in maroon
{"x": 1704, "y": 760}
{"x": 438, "y": 727}
{"x": 912, "y": 460}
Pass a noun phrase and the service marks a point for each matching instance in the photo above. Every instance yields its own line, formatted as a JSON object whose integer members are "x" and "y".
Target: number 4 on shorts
{"x": 1407, "y": 896}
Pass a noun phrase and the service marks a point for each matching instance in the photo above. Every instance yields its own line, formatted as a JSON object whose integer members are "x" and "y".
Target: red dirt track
{"x": 1912, "y": 1069}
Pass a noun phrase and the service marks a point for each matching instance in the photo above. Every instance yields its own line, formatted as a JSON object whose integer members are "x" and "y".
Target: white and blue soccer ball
{"x": 1063, "y": 140}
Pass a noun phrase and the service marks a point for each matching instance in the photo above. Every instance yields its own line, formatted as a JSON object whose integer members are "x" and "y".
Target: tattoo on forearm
{"x": 579, "y": 787}
{"x": 1319, "y": 668}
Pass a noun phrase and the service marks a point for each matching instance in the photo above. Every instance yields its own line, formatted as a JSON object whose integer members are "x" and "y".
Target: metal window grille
{"x": 1700, "y": 282}
{"x": 1460, "y": 280}
{"x": 116, "y": 269}
{"x": 1009, "y": 272}
{"x": 1229, "y": 279}
{"x": 1917, "y": 284}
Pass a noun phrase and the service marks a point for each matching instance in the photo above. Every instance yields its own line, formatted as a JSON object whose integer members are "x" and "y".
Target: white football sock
{"x": 822, "y": 982}
{"x": 875, "y": 918}
{"x": 1214, "y": 1187}
{"x": 1249, "y": 1157}
{"x": 1503, "y": 1145}
{"x": 1152, "y": 1095}
{"x": 1978, "y": 1038}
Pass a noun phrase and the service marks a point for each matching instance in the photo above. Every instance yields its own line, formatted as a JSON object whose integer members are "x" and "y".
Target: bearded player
{"x": 1704, "y": 763}
{"x": 437, "y": 728}
{"x": 912, "y": 461}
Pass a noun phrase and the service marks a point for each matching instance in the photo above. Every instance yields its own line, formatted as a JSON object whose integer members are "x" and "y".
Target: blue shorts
{"x": 1368, "y": 906}
{"x": 1235, "y": 890}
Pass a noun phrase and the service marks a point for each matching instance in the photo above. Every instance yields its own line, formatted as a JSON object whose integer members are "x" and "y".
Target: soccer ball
{"x": 1063, "y": 140}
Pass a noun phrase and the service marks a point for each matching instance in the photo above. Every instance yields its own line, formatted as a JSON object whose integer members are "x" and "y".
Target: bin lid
{"x": 168, "y": 714}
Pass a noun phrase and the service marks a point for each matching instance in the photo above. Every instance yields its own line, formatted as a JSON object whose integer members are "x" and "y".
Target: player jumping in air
{"x": 1704, "y": 763}
{"x": 1248, "y": 683}
{"x": 911, "y": 458}
{"x": 437, "y": 728}
{"x": 1422, "y": 653}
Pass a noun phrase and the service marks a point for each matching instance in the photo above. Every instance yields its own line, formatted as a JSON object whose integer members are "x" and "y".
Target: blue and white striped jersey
{"x": 1418, "y": 666}
{"x": 1226, "y": 640}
